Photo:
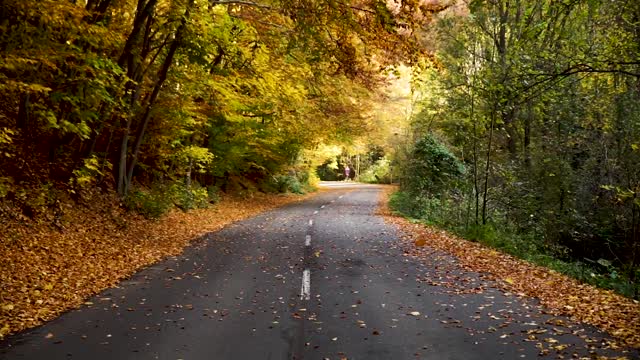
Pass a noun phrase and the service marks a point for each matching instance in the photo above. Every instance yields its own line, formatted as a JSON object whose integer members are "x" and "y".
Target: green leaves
{"x": 432, "y": 168}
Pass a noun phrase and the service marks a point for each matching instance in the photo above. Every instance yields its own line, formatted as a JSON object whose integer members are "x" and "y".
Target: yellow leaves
{"x": 4, "y": 330}
{"x": 509, "y": 281}
{"x": 560, "y": 347}
{"x": 8, "y": 307}
{"x": 6, "y": 135}
{"x": 21, "y": 86}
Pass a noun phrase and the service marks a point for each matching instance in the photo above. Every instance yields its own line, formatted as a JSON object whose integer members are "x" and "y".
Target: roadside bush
{"x": 299, "y": 182}
{"x": 213, "y": 194}
{"x": 431, "y": 168}
{"x": 287, "y": 183}
{"x": 309, "y": 179}
{"x": 159, "y": 199}
{"x": 529, "y": 246}
{"x": 152, "y": 203}
{"x": 378, "y": 173}
{"x": 188, "y": 198}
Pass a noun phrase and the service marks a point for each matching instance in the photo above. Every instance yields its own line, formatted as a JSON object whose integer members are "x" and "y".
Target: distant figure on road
{"x": 346, "y": 172}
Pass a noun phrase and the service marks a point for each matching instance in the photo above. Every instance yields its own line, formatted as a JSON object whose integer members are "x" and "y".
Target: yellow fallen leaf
{"x": 4, "y": 330}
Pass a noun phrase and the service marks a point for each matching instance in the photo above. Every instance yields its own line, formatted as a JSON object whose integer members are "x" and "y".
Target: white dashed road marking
{"x": 310, "y": 222}
{"x": 307, "y": 240}
{"x": 322, "y": 207}
{"x": 315, "y": 212}
{"x": 305, "y": 293}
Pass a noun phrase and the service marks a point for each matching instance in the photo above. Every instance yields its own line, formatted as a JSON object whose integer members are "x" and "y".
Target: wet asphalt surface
{"x": 237, "y": 294}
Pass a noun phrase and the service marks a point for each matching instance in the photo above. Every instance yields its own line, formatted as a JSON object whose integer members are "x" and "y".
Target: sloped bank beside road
{"x": 46, "y": 271}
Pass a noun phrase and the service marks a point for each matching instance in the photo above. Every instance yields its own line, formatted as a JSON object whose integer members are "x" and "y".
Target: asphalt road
{"x": 321, "y": 279}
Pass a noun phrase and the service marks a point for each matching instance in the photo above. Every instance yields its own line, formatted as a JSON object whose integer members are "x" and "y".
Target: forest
{"x": 515, "y": 123}
{"x": 127, "y": 95}
{"x": 525, "y": 134}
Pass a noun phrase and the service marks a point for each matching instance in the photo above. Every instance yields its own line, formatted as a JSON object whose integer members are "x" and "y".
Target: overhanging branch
{"x": 240, "y": 2}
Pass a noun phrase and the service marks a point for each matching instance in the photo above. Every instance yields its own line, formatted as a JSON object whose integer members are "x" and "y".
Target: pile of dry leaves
{"x": 562, "y": 295}
{"x": 46, "y": 271}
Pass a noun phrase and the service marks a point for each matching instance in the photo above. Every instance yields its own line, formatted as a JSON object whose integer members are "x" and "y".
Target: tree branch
{"x": 241, "y": 2}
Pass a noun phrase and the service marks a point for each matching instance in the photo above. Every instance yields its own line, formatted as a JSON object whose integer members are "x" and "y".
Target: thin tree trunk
{"x": 143, "y": 12}
{"x": 162, "y": 76}
{"x": 527, "y": 140}
{"x": 486, "y": 172}
{"x": 122, "y": 163}
{"x": 475, "y": 139}
{"x": 23, "y": 112}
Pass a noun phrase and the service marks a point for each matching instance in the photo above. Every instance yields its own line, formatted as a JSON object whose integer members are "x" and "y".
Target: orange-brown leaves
{"x": 45, "y": 272}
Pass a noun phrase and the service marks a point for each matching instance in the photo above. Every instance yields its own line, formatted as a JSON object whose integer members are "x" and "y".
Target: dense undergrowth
{"x": 155, "y": 201}
{"x": 527, "y": 246}
{"x": 560, "y": 295}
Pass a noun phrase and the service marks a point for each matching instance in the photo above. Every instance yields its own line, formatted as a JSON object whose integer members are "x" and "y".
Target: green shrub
{"x": 299, "y": 183}
{"x": 482, "y": 233}
{"x": 152, "y": 203}
{"x": 157, "y": 201}
{"x": 213, "y": 194}
{"x": 287, "y": 183}
{"x": 529, "y": 246}
{"x": 378, "y": 173}
{"x": 432, "y": 168}
{"x": 188, "y": 198}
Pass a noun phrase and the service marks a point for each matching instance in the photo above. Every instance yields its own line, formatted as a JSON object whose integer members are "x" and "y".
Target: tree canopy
{"x": 114, "y": 92}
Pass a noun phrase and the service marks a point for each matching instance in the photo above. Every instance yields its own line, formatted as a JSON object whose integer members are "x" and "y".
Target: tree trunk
{"x": 142, "y": 13}
{"x": 487, "y": 168}
{"x": 472, "y": 117}
{"x": 22, "y": 121}
{"x": 527, "y": 140}
{"x": 127, "y": 58}
{"x": 162, "y": 76}
{"x": 122, "y": 162}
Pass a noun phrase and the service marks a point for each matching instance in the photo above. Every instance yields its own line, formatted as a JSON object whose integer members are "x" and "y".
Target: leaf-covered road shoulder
{"x": 45, "y": 271}
{"x": 561, "y": 295}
